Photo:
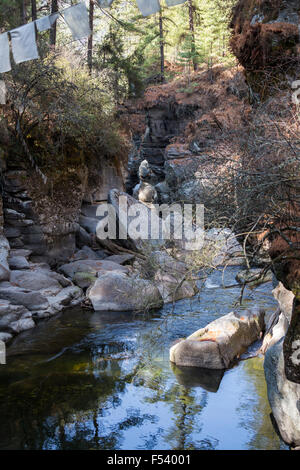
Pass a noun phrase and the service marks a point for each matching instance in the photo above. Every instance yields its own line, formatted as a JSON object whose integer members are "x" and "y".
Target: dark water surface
{"x": 88, "y": 380}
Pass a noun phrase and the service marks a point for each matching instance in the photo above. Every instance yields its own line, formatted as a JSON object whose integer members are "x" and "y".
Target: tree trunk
{"x": 162, "y": 47}
{"x": 90, "y": 41}
{"x": 192, "y": 31}
{"x": 33, "y": 10}
{"x": 54, "y": 9}
{"x": 23, "y": 16}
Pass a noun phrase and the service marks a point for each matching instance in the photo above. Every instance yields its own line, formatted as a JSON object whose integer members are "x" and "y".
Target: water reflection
{"x": 104, "y": 381}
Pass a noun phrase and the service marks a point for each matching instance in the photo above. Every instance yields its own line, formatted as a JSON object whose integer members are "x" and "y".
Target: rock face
{"x": 4, "y": 253}
{"x": 265, "y": 37}
{"x": 114, "y": 291}
{"x": 220, "y": 342}
{"x": 279, "y": 322}
{"x": 284, "y": 396}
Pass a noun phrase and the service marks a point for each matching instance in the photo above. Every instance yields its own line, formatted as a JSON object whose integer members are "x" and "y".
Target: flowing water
{"x": 87, "y": 380}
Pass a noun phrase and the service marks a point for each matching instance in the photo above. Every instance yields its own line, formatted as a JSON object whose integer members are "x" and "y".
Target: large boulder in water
{"x": 115, "y": 291}
{"x": 220, "y": 342}
{"x": 142, "y": 243}
{"x": 284, "y": 395}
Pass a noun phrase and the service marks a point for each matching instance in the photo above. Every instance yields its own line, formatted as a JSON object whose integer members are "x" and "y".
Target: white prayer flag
{"x": 77, "y": 19}
{"x": 172, "y": 3}
{"x": 5, "y": 65}
{"x": 105, "y": 3}
{"x": 53, "y": 18}
{"x": 24, "y": 43}
{"x": 2, "y": 92}
{"x": 43, "y": 24}
{"x": 148, "y": 7}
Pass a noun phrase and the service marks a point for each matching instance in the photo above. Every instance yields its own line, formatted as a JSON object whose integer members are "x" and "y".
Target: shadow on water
{"x": 87, "y": 380}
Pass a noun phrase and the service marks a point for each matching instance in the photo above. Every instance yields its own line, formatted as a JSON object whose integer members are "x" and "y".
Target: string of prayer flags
{"x": 105, "y": 3}
{"x": 77, "y": 18}
{"x": 5, "y": 65}
{"x": 45, "y": 23}
{"x": 148, "y": 7}
{"x": 172, "y": 3}
{"x": 23, "y": 43}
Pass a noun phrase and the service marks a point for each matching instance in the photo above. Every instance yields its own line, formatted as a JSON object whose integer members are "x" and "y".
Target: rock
{"x": 275, "y": 332}
{"x": 11, "y": 314}
{"x": 90, "y": 266}
{"x": 146, "y": 193}
{"x": 220, "y": 342}
{"x": 223, "y": 248}
{"x": 285, "y": 299}
{"x": 172, "y": 288}
{"x": 5, "y": 337}
{"x": 84, "y": 280}
{"x": 284, "y": 396}
{"x": 12, "y": 232}
{"x": 83, "y": 238}
{"x": 17, "y": 296}
{"x": 144, "y": 171}
{"x": 18, "y": 262}
{"x": 36, "y": 280}
{"x": 143, "y": 243}
{"x": 88, "y": 223}
{"x": 20, "y": 252}
{"x": 279, "y": 322}
{"x": 254, "y": 276}
{"x": 4, "y": 253}
{"x": 163, "y": 192}
{"x": 85, "y": 253}
{"x": 114, "y": 291}
{"x": 22, "y": 325}
{"x": 175, "y": 151}
{"x": 121, "y": 259}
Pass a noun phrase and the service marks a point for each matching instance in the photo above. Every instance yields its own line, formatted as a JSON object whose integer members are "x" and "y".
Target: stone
{"x": 12, "y": 232}
{"x": 115, "y": 291}
{"x": 31, "y": 300}
{"x": 4, "y": 253}
{"x": 146, "y": 193}
{"x": 137, "y": 244}
{"x": 163, "y": 192}
{"x": 285, "y": 299}
{"x": 22, "y": 325}
{"x": 254, "y": 277}
{"x": 88, "y": 223}
{"x": 172, "y": 288}
{"x": 220, "y": 342}
{"x": 121, "y": 259}
{"x": 84, "y": 280}
{"x": 85, "y": 253}
{"x": 5, "y": 337}
{"x": 20, "y": 252}
{"x": 35, "y": 280}
{"x": 10, "y": 314}
{"x": 284, "y": 395}
{"x": 18, "y": 262}
{"x": 90, "y": 266}
{"x": 83, "y": 238}
{"x": 224, "y": 247}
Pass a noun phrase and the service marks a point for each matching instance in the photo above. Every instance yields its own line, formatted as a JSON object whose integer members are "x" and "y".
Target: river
{"x": 86, "y": 380}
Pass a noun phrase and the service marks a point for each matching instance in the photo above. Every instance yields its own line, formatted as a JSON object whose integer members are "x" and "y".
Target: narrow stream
{"x": 87, "y": 380}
